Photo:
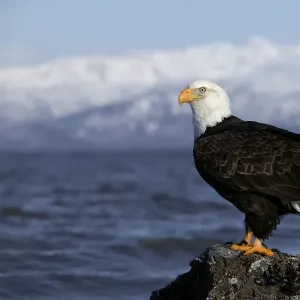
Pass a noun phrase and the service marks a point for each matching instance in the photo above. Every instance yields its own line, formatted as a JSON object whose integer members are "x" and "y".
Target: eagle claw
{"x": 276, "y": 251}
{"x": 228, "y": 244}
{"x": 240, "y": 247}
{"x": 258, "y": 248}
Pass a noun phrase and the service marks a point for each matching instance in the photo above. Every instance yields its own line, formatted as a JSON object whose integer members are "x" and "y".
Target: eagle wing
{"x": 252, "y": 157}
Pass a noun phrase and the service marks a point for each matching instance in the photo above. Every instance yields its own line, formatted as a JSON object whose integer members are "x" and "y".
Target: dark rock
{"x": 220, "y": 273}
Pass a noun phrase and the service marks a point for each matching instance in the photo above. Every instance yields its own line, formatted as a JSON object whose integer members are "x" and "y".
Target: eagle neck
{"x": 225, "y": 124}
{"x": 209, "y": 113}
{"x": 201, "y": 127}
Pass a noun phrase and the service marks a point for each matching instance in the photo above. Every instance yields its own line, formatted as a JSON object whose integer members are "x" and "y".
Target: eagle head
{"x": 209, "y": 102}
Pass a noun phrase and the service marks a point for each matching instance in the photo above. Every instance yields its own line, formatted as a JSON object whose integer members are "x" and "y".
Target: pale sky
{"x": 33, "y": 31}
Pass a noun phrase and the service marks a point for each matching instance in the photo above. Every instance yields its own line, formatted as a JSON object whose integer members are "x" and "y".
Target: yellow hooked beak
{"x": 186, "y": 96}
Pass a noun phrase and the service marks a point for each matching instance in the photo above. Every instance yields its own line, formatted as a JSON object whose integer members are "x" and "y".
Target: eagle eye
{"x": 202, "y": 90}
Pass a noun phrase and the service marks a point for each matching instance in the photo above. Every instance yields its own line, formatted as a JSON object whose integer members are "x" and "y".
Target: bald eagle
{"x": 254, "y": 166}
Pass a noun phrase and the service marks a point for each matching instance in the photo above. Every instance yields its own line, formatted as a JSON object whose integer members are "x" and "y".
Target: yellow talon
{"x": 258, "y": 248}
{"x": 239, "y": 247}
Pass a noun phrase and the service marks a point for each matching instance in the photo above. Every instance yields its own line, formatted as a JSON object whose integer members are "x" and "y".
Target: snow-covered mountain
{"x": 131, "y": 101}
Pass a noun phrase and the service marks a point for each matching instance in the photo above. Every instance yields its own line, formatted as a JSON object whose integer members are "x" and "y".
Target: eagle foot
{"x": 242, "y": 246}
{"x": 258, "y": 248}
{"x": 276, "y": 251}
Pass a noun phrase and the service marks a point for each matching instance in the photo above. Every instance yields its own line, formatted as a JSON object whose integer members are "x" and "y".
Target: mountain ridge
{"x": 131, "y": 101}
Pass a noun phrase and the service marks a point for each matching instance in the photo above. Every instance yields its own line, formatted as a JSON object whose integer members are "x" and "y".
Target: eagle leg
{"x": 258, "y": 248}
{"x": 244, "y": 245}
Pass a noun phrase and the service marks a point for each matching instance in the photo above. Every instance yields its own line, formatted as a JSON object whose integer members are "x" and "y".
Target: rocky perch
{"x": 220, "y": 273}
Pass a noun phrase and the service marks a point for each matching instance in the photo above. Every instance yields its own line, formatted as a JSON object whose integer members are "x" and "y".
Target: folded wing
{"x": 252, "y": 157}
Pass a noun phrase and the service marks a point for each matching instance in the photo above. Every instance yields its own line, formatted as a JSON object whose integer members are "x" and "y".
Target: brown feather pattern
{"x": 252, "y": 157}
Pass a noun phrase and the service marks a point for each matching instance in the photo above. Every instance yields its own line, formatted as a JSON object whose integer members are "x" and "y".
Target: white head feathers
{"x": 209, "y": 102}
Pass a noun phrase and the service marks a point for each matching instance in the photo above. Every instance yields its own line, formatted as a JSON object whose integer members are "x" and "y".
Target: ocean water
{"x": 109, "y": 225}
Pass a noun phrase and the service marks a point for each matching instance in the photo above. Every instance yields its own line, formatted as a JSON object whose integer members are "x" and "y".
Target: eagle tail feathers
{"x": 296, "y": 205}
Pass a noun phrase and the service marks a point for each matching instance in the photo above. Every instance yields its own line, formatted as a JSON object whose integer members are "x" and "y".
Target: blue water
{"x": 109, "y": 226}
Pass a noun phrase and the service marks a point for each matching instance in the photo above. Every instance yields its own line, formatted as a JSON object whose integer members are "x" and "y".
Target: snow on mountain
{"x": 131, "y": 101}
